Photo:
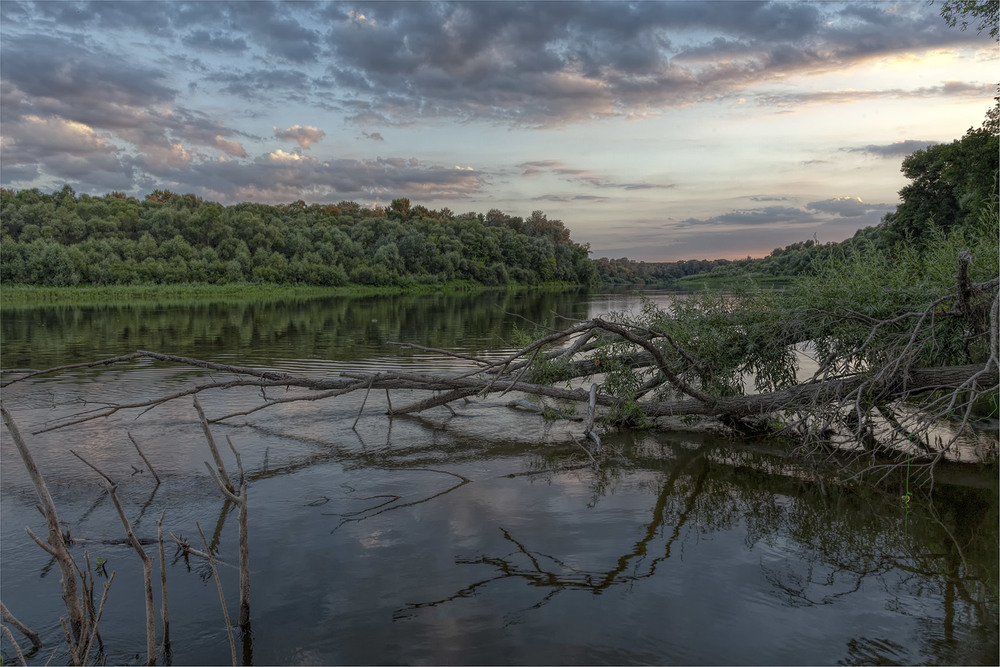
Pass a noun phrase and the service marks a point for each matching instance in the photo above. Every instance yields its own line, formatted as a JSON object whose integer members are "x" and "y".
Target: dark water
{"x": 455, "y": 538}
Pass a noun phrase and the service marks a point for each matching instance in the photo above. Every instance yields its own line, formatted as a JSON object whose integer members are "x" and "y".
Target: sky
{"x": 656, "y": 131}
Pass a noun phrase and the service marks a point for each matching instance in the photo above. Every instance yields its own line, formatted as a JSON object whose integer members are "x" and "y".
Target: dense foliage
{"x": 68, "y": 239}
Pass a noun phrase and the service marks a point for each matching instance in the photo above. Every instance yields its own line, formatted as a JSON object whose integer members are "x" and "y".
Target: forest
{"x": 65, "y": 239}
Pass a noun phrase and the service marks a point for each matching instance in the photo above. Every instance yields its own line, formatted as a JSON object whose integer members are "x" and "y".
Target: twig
{"x": 222, "y": 597}
{"x": 244, "y": 541}
{"x": 354, "y": 426}
{"x": 591, "y": 412}
{"x": 147, "y": 563}
{"x": 94, "y": 634}
{"x": 164, "y": 615}
{"x": 580, "y": 445}
{"x": 211, "y": 444}
{"x": 144, "y": 459}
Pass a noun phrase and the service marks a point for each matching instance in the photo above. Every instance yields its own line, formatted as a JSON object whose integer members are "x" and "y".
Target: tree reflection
{"x": 835, "y": 541}
{"x": 342, "y": 328}
{"x": 548, "y": 571}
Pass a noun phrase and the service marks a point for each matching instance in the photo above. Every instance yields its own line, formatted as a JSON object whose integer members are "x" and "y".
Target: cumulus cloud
{"x": 303, "y": 136}
{"x": 62, "y": 148}
{"x": 551, "y": 63}
{"x": 80, "y": 114}
{"x": 234, "y": 148}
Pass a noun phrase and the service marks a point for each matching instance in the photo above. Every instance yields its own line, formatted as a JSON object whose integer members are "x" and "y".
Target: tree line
{"x": 625, "y": 271}
{"x": 65, "y": 239}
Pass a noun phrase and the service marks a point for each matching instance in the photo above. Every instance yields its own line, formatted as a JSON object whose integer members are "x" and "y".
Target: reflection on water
{"x": 468, "y": 537}
{"x": 297, "y": 331}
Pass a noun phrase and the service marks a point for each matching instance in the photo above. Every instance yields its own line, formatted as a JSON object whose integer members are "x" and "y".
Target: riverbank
{"x": 33, "y": 295}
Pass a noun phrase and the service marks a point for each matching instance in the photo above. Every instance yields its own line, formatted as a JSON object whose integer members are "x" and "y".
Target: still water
{"x": 455, "y": 538}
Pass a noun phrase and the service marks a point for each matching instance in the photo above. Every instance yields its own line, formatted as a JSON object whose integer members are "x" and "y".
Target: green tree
{"x": 949, "y": 185}
{"x": 961, "y": 12}
{"x": 399, "y": 209}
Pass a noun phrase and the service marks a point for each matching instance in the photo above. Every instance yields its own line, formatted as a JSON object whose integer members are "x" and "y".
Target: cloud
{"x": 64, "y": 151}
{"x": 292, "y": 84}
{"x": 553, "y": 63}
{"x": 570, "y": 198}
{"x": 281, "y": 176}
{"x": 893, "y": 150}
{"x": 527, "y": 64}
{"x": 303, "y": 136}
{"x": 959, "y": 89}
{"x": 59, "y": 75}
{"x": 228, "y": 147}
{"x": 757, "y": 217}
{"x": 215, "y": 41}
{"x": 849, "y": 207}
{"x": 582, "y": 176}
{"x": 79, "y": 113}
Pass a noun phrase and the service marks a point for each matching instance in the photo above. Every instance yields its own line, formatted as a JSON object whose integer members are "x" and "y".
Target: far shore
{"x": 34, "y": 295}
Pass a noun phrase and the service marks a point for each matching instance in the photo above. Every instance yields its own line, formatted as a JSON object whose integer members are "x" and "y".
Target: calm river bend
{"x": 418, "y": 540}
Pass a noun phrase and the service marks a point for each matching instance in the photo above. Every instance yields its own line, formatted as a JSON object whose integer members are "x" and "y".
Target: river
{"x": 455, "y": 537}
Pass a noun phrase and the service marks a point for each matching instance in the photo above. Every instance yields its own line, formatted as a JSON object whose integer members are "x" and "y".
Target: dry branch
{"x": 164, "y": 615}
{"x": 222, "y": 597}
{"x": 147, "y": 562}
{"x": 10, "y": 619}
{"x": 237, "y": 496}
{"x": 78, "y": 622}
{"x": 144, "y": 459}
{"x": 17, "y": 647}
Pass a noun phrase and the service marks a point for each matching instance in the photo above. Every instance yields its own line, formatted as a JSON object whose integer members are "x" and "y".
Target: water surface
{"x": 461, "y": 537}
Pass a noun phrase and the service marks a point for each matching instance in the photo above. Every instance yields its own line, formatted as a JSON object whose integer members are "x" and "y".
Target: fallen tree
{"x": 878, "y": 360}
{"x": 635, "y": 374}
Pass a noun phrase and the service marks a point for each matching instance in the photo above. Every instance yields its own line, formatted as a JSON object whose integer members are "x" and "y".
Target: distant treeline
{"x": 625, "y": 271}
{"x": 65, "y": 239}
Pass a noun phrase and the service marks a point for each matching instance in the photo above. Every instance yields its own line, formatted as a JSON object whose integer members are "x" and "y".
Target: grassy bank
{"x": 32, "y": 295}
